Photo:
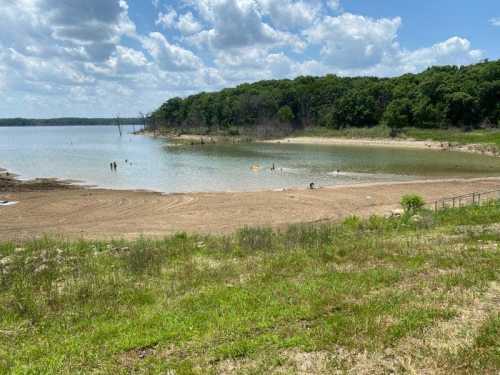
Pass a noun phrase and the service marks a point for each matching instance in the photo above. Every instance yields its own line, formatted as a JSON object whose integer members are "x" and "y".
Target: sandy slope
{"x": 106, "y": 213}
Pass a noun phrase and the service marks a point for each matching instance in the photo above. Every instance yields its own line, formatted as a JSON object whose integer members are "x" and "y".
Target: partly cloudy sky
{"x": 108, "y": 57}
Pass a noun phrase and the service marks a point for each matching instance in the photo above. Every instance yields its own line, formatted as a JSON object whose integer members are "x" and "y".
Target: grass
{"x": 456, "y": 136}
{"x": 362, "y": 132}
{"x": 306, "y": 299}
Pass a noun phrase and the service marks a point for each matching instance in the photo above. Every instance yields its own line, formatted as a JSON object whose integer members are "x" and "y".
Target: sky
{"x": 102, "y": 58}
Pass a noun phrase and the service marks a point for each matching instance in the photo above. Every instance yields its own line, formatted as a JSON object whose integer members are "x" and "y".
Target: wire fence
{"x": 476, "y": 198}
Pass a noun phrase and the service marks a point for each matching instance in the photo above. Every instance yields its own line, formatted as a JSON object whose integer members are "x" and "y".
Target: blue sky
{"x": 109, "y": 57}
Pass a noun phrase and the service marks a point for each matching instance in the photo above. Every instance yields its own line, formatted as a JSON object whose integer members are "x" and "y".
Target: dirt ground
{"x": 53, "y": 209}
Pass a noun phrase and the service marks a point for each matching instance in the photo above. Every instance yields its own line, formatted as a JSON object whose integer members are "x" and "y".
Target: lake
{"x": 83, "y": 153}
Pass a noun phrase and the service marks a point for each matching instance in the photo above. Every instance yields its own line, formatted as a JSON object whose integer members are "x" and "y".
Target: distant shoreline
{"x": 52, "y": 125}
{"x": 389, "y": 143}
{"x": 68, "y": 121}
{"x": 401, "y": 143}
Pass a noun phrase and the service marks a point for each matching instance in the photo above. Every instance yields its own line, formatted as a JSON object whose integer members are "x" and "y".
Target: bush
{"x": 285, "y": 114}
{"x": 412, "y": 202}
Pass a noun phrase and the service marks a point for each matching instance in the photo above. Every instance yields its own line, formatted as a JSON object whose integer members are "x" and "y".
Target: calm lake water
{"x": 84, "y": 153}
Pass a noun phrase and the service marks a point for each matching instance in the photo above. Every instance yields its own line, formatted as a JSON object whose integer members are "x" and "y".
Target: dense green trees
{"x": 449, "y": 96}
{"x": 67, "y": 121}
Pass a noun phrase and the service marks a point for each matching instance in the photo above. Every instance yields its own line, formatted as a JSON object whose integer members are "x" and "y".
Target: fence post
{"x": 435, "y": 206}
{"x": 453, "y": 202}
{"x": 479, "y": 199}
{"x": 473, "y": 198}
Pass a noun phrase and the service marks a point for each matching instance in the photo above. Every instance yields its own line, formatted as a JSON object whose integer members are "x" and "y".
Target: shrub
{"x": 285, "y": 114}
{"x": 412, "y": 202}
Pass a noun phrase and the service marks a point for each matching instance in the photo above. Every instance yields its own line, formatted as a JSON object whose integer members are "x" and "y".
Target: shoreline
{"x": 472, "y": 148}
{"x": 9, "y": 182}
{"x": 401, "y": 143}
{"x": 361, "y": 142}
{"x": 195, "y": 139}
{"x": 48, "y": 207}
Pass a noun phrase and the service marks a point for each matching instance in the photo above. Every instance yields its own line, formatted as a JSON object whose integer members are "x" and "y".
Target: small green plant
{"x": 412, "y": 202}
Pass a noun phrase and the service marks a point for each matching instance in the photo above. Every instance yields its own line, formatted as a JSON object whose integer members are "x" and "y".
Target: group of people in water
{"x": 113, "y": 166}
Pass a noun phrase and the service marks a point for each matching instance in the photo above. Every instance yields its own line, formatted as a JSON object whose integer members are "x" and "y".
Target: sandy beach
{"x": 74, "y": 212}
{"x": 482, "y": 149}
{"x": 364, "y": 142}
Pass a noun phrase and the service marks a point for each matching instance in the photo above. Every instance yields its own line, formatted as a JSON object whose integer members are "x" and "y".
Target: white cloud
{"x": 333, "y": 4}
{"x": 170, "y": 57}
{"x": 51, "y": 27}
{"x": 126, "y": 61}
{"x": 352, "y": 41}
{"x": 253, "y": 64}
{"x": 291, "y": 14}
{"x": 167, "y": 20}
{"x": 237, "y": 24}
{"x": 495, "y": 21}
{"x": 188, "y": 25}
{"x": 454, "y": 51}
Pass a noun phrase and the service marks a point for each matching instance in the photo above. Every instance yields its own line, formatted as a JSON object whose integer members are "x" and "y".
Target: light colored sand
{"x": 483, "y": 149}
{"x": 113, "y": 214}
{"x": 375, "y": 142}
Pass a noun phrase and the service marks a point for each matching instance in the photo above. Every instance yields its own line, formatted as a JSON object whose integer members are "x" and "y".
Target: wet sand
{"x": 76, "y": 212}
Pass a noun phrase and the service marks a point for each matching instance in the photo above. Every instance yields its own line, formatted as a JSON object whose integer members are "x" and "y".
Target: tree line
{"x": 68, "y": 121}
{"x": 441, "y": 97}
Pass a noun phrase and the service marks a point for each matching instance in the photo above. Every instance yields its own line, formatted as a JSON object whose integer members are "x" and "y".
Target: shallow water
{"x": 84, "y": 153}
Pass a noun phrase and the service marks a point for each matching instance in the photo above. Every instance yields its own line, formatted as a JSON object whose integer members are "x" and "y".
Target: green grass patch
{"x": 191, "y": 303}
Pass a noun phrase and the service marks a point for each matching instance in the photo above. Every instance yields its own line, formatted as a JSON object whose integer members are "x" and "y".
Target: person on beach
{"x": 114, "y": 165}
{"x": 311, "y": 186}
{"x": 111, "y": 166}
{"x": 273, "y": 168}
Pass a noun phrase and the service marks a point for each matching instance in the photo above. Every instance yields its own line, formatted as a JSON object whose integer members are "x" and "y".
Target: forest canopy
{"x": 441, "y": 97}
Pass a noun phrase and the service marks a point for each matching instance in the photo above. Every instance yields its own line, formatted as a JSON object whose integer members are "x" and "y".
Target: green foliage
{"x": 462, "y": 109}
{"x": 398, "y": 115}
{"x": 412, "y": 202}
{"x": 285, "y": 114}
{"x": 440, "y": 97}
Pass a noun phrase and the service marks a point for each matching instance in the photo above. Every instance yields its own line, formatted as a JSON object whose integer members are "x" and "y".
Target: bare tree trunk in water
{"x": 118, "y": 124}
